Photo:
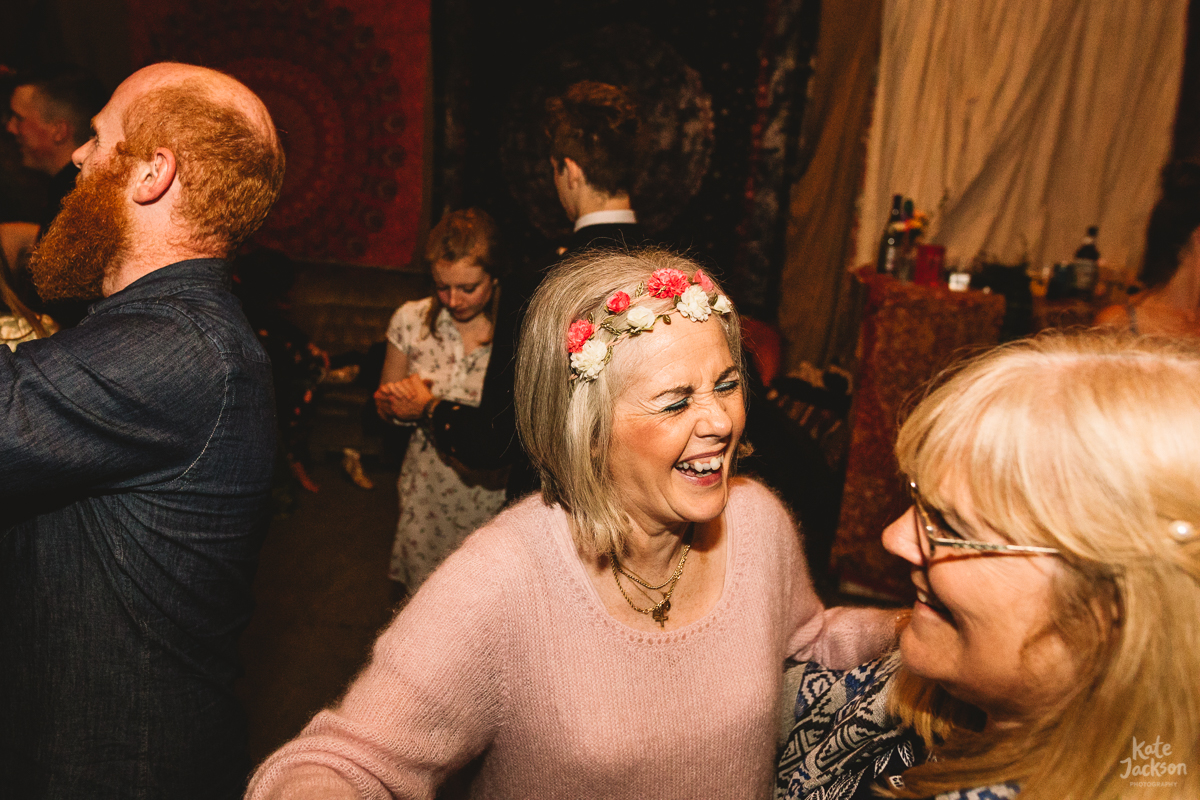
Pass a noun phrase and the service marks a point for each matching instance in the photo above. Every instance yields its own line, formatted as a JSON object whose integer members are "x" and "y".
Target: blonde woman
{"x": 438, "y": 350}
{"x": 1053, "y": 648}
{"x": 622, "y": 634}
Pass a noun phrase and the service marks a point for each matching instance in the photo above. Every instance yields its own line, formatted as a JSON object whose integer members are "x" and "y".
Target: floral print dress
{"x": 441, "y": 500}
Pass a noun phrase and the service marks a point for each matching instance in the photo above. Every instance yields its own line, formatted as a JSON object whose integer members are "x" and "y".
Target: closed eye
{"x": 942, "y": 528}
{"x": 726, "y": 384}
{"x": 677, "y": 406}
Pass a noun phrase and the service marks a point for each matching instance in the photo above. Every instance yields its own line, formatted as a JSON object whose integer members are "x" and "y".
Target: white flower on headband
{"x": 590, "y": 341}
{"x": 590, "y": 360}
{"x": 640, "y": 318}
{"x": 693, "y": 303}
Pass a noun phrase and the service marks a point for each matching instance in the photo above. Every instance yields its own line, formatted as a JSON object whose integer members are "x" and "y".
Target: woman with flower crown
{"x": 622, "y": 634}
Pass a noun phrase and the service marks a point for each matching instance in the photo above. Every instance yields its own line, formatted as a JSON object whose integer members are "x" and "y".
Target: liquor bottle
{"x": 890, "y": 244}
{"x": 907, "y": 257}
{"x": 1086, "y": 263}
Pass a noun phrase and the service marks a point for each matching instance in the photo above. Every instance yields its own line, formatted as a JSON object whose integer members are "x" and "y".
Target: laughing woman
{"x": 1053, "y": 542}
{"x": 622, "y": 634}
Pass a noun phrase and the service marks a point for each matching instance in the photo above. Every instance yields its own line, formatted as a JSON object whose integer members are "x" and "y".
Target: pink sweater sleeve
{"x": 430, "y": 700}
{"x": 839, "y": 638}
{"x": 844, "y": 637}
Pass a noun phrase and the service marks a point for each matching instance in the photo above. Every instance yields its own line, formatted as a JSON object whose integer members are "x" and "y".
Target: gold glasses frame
{"x": 927, "y": 530}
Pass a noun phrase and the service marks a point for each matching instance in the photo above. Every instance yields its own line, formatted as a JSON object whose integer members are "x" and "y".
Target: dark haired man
{"x": 51, "y": 116}
{"x": 135, "y": 457}
{"x": 592, "y": 130}
{"x": 593, "y": 133}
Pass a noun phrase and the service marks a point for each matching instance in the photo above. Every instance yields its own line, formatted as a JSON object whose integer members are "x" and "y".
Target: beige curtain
{"x": 818, "y": 311}
{"x": 1019, "y": 123}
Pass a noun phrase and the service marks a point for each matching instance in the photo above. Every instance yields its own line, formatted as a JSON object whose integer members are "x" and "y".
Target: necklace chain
{"x": 640, "y": 582}
{"x": 659, "y": 610}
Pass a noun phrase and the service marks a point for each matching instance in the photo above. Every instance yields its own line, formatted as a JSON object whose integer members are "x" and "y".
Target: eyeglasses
{"x": 930, "y": 524}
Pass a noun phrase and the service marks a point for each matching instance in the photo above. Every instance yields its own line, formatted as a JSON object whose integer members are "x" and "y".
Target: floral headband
{"x": 590, "y": 343}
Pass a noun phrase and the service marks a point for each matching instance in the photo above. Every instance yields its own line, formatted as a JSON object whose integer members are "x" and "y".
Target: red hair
{"x": 230, "y": 170}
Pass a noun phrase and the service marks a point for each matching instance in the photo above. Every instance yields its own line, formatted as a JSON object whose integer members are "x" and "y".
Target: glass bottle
{"x": 889, "y": 243}
{"x": 1087, "y": 263}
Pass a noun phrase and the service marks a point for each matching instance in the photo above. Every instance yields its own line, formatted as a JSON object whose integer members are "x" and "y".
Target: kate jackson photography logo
{"x": 1151, "y": 761}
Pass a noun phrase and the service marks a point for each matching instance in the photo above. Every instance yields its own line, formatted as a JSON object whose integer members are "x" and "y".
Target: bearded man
{"x": 135, "y": 457}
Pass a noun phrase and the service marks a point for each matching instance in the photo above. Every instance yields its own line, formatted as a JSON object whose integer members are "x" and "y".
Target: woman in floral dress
{"x": 443, "y": 342}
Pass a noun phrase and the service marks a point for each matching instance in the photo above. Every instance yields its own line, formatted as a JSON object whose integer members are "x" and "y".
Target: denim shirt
{"x": 136, "y": 452}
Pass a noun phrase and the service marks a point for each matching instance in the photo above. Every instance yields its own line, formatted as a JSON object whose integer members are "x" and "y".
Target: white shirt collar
{"x": 615, "y": 217}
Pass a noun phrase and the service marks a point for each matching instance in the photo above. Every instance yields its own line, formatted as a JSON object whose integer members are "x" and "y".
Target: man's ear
{"x": 575, "y": 176}
{"x": 60, "y": 131}
{"x": 153, "y": 178}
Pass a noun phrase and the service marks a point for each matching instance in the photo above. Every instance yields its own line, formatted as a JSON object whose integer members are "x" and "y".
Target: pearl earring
{"x": 1182, "y": 531}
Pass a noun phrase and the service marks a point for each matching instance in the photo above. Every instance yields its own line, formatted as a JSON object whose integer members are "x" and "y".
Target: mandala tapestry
{"x": 345, "y": 83}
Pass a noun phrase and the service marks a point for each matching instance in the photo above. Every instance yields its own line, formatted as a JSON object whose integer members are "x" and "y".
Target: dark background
{"x": 486, "y": 52}
{"x": 752, "y": 60}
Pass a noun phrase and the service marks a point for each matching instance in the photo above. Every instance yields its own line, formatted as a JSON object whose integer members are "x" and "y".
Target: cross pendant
{"x": 660, "y": 614}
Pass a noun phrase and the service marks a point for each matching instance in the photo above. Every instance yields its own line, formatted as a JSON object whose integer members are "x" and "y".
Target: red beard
{"x": 88, "y": 239}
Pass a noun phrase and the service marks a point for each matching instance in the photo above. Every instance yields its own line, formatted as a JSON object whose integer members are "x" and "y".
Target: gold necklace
{"x": 658, "y": 611}
{"x": 640, "y": 582}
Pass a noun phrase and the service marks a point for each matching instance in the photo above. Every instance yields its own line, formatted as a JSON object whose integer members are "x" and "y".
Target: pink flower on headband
{"x": 667, "y": 282}
{"x": 618, "y": 302}
{"x": 580, "y": 331}
{"x": 705, "y": 282}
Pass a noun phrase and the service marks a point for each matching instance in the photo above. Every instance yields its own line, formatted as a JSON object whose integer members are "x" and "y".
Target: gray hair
{"x": 565, "y": 424}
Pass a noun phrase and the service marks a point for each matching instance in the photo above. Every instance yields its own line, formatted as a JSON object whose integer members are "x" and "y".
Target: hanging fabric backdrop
{"x": 345, "y": 82}
{"x": 817, "y": 295}
{"x": 1019, "y": 123}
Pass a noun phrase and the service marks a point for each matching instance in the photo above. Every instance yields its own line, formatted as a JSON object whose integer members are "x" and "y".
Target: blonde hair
{"x": 1088, "y": 442}
{"x": 566, "y": 425}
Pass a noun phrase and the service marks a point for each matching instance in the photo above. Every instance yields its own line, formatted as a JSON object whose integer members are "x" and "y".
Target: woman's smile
{"x": 704, "y": 466}
{"x": 979, "y": 619}
{"x": 676, "y": 425}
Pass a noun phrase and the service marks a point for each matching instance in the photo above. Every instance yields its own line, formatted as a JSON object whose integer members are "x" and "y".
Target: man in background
{"x": 593, "y": 133}
{"x": 592, "y": 130}
{"x": 51, "y": 114}
{"x": 135, "y": 457}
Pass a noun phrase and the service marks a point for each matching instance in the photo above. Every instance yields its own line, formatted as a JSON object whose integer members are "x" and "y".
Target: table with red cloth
{"x": 909, "y": 334}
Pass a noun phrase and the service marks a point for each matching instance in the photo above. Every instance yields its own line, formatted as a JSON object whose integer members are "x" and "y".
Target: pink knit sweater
{"x": 508, "y": 649}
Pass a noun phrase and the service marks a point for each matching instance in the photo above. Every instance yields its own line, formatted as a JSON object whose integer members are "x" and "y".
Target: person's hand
{"x": 405, "y": 399}
{"x": 383, "y": 402}
{"x": 410, "y": 396}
